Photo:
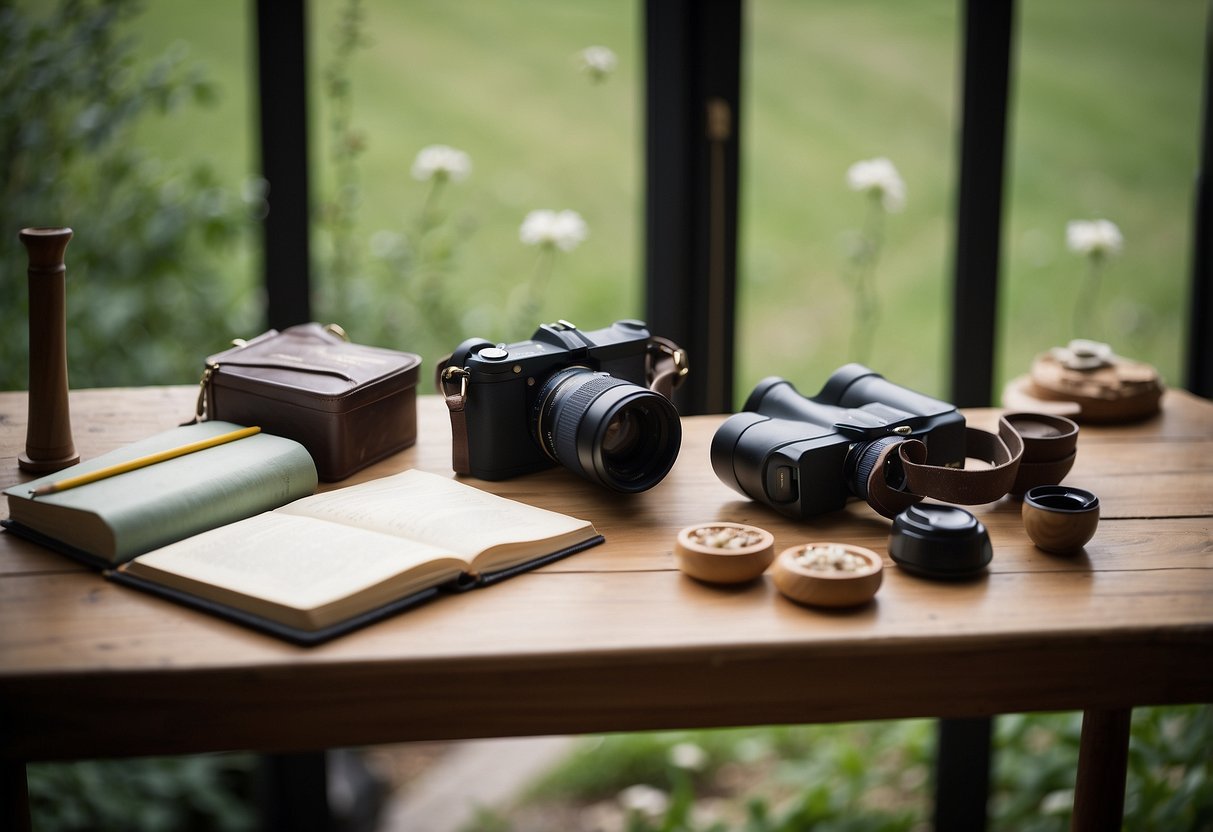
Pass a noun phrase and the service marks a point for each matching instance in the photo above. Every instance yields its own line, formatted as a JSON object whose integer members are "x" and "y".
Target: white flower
{"x": 1097, "y": 238}
{"x": 688, "y": 756}
{"x": 644, "y": 800}
{"x": 441, "y": 162}
{"x": 1058, "y": 802}
{"x": 598, "y": 61}
{"x": 564, "y": 230}
{"x": 879, "y": 178}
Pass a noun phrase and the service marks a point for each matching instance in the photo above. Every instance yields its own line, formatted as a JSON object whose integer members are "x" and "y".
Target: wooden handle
{"x": 46, "y": 247}
{"x": 48, "y": 439}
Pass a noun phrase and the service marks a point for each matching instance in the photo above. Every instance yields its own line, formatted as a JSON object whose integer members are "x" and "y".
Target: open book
{"x": 328, "y": 563}
{"x": 114, "y": 519}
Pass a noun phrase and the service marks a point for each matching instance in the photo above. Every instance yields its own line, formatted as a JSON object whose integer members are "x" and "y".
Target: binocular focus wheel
{"x": 880, "y": 478}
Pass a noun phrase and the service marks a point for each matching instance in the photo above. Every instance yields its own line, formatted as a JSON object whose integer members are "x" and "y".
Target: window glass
{"x": 827, "y": 85}
{"x": 420, "y": 264}
{"x": 1105, "y": 126}
{"x": 131, "y": 127}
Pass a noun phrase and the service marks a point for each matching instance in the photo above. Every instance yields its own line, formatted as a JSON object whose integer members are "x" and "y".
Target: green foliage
{"x": 1170, "y": 782}
{"x": 1170, "y": 778}
{"x": 211, "y": 793}
{"x": 403, "y": 284}
{"x": 846, "y": 778}
{"x": 876, "y": 776}
{"x": 336, "y": 224}
{"x": 148, "y": 290}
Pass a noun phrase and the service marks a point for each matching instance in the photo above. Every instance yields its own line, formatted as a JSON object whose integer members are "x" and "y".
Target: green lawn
{"x": 1104, "y": 124}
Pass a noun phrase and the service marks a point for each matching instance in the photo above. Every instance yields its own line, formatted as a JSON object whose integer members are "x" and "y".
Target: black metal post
{"x": 282, "y": 87}
{"x": 1200, "y": 308}
{"x": 293, "y": 792}
{"x": 988, "y": 36}
{"x": 962, "y": 764}
{"x": 962, "y": 774}
{"x": 693, "y": 86}
{"x": 14, "y": 796}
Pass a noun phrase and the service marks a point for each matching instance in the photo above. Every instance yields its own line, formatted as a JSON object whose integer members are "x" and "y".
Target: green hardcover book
{"x": 112, "y": 520}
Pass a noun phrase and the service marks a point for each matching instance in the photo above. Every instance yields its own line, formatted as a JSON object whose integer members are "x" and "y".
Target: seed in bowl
{"x": 830, "y": 559}
{"x": 725, "y": 537}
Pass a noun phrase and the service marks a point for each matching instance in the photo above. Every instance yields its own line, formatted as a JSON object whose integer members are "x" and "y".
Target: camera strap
{"x": 665, "y": 365}
{"x": 454, "y": 384}
{"x": 1002, "y": 451}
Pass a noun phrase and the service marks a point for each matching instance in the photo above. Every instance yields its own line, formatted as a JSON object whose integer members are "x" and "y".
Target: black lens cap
{"x": 937, "y": 541}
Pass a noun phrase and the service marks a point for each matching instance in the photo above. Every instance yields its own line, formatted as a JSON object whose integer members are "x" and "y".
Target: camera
{"x": 807, "y": 456}
{"x": 571, "y": 398}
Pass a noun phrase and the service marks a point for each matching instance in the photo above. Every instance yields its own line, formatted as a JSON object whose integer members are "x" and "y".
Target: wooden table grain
{"x": 615, "y": 638}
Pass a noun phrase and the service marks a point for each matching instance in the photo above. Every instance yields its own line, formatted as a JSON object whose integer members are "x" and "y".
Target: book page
{"x": 439, "y": 511}
{"x": 294, "y": 561}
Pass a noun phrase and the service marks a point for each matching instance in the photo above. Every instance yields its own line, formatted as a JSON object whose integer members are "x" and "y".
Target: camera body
{"x": 806, "y": 456}
{"x": 568, "y": 397}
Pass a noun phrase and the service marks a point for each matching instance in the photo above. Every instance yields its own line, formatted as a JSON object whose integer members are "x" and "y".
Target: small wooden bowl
{"x": 1049, "y": 449}
{"x": 828, "y": 587}
{"x": 1059, "y": 518}
{"x": 720, "y": 564}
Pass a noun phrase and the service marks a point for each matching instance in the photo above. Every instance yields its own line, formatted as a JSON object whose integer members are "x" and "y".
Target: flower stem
{"x": 429, "y": 208}
{"x": 1087, "y": 300}
{"x": 533, "y": 301}
{"x": 867, "y": 301}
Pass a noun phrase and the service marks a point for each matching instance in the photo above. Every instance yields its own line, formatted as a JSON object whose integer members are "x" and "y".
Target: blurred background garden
{"x": 136, "y": 126}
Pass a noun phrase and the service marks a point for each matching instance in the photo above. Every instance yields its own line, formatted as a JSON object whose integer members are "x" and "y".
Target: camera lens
{"x": 609, "y": 431}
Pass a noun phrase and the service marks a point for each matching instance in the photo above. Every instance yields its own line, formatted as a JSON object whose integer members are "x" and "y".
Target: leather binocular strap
{"x": 965, "y": 486}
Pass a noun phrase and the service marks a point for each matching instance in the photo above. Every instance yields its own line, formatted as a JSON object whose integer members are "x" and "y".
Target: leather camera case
{"x": 350, "y": 405}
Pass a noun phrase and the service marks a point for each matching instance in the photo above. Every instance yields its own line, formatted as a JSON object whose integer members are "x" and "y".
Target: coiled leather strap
{"x": 1003, "y": 451}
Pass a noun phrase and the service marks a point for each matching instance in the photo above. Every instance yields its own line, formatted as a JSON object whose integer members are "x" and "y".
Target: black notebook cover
{"x": 295, "y": 635}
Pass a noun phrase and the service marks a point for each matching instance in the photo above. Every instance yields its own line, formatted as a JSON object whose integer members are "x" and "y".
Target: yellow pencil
{"x": 142, "y": 462}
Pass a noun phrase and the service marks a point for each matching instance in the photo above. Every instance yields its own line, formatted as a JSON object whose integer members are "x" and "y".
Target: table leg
{"x": 293, "y": 792}
{"x": 14, "y": 796}
{"x": 1103, "y": 757}
{"x": 962, "y": 774}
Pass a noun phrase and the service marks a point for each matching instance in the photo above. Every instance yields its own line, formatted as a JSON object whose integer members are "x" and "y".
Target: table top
{"x": 615, "y": 638}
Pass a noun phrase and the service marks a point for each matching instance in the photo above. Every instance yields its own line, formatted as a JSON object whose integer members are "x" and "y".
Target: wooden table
{"x": 616, "y": 638}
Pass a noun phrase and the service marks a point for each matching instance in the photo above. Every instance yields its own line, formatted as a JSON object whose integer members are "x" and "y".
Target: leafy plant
{"x": 211, "y": 792}
{"x": 871, "y": 776}
{"x": 149, "y": 292}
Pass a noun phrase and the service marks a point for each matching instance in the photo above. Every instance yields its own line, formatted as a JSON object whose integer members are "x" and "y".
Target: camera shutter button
{"x": 494, "y": 354}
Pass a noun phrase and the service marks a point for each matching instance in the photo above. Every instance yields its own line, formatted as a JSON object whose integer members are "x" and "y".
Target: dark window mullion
{"x": 988, "y": 35}
{"x": 282, "y": 87}
{"x": 692, "y": 82}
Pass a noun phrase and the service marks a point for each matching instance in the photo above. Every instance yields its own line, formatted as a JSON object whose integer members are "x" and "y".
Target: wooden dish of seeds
{"x": 724, "y": 553}
{"x": 828, "y": 574}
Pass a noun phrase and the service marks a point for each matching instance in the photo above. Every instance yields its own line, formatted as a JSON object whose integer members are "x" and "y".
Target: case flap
{"x": 309, "y": 366}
